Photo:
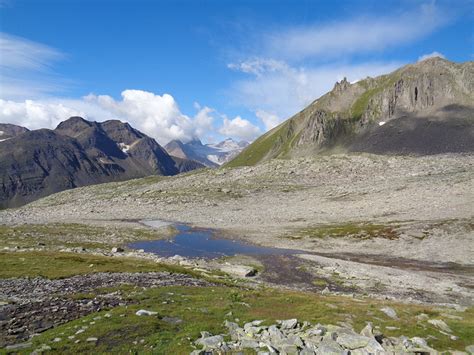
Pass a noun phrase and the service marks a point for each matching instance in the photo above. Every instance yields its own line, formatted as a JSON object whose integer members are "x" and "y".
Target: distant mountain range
{"x": 211, "y": 155}
{"x": 78, "y": 152}
{"x": 420, "y": 109}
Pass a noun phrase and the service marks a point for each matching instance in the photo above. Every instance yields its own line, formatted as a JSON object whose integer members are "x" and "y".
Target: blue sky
{"x": 179, "y": 69}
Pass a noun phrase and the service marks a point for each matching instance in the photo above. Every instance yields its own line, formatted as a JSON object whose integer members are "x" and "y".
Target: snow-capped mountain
{"x": 211, "y": 155}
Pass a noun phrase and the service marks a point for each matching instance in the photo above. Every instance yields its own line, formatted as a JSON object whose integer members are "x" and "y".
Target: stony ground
{"x": 397, "y": 228}
{"x": 354, "y": 211}
{"x": 292, "y": 337}
{"x": 35, "y": 305}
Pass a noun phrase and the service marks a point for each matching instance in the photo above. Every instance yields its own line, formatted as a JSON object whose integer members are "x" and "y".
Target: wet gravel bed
{"x": 35, "y": 305}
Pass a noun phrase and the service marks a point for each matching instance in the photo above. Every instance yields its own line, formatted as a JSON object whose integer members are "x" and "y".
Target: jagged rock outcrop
{"x": 407, "y": 108}
{"x": 78, "y": 152}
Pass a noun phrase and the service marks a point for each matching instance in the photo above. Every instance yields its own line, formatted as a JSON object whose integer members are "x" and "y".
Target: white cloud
{"x": 269, "y": 120}
{"x": 357, "y": 35}
{"x": 289, "y": 90}
{"x": 21, "y": 53}
{"x": 158, "y": 116}
{"x": 25, "y": 68}
{"x": 35, "y": 114}
{"x": 431, "y": 55}
{"x": 239, "y": 128}
{"x": 287, "y": 70}
{"x": 258, "y": 66}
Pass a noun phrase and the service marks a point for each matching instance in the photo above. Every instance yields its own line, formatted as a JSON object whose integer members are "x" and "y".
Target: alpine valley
{"x": 347, "y": 229}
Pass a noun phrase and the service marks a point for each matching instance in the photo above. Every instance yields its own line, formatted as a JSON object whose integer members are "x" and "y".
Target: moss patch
{"x": 354, "y": 230}
{"x": 54, "y": 265}
{"x": 76, "y": 234}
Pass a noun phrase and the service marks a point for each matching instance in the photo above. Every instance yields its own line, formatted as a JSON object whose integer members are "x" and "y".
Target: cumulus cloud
{"x": 239, "y": 128}
{"x": 431, "y": 55}
{"x": 269, "y": 120}
{"x": 158, "y": 116}
{"x": 357, "y": 35}
{"x": 34, "y": 114}
{"x": 26, "y": 68}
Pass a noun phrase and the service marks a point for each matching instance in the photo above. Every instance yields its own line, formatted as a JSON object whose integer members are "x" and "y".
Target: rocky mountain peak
{"x": 409, "y": 98}
{"x": 341, "y": 86}
{"x": 8, "y": 130}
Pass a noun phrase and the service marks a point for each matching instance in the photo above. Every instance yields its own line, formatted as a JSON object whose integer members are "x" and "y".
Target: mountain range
{"x": 78, "y": 152}
{"x": 424, "y": 108}
{"x": 420, "y": 109}
{"x": 210, "y": 155}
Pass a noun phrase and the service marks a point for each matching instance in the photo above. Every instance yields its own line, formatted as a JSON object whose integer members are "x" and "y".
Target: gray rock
{"x": 275, "y": 334}
{"x": 373, "y": 347}
{"x": 117, "y": 250}
{"x": 18, "y": 346}
{"x": 172, "y": 320}
{"x": 438, "y": 323}
{"x": 317, "y": 330}
{"x": 288, "y": 324}
{"x": 91, "y": 340}
{"x": 42, "y": 348}
{"x": 329, "y": 347}
{"x": 352, "y": 341}
{"x": 144, "y": 312}
{"x": 470, "y": 349}
{"x": 249, "y": 343}
{"x": 419, "y": 341}
{"x": 389, "y": 312}
{"x": 288, "y": 349}
{"x": 307, "y": 351}
{"x": 239, "y": 270}
{"x": 211, "y": 342}
{"x": 368, "y": 330}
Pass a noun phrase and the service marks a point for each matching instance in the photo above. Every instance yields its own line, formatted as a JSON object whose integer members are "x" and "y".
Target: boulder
{"x": 368, "y": 330}
{"x": 211, "y": 342}
{"x": 389, "y": 312}
{"x": 239, "y": 270}
{"x": 438, "y": 323}
{"x": 288, "y": 324}
{"x": 144, "y": 312}
{"x": 352, "y": 341}
{"x": 329, "y": 347}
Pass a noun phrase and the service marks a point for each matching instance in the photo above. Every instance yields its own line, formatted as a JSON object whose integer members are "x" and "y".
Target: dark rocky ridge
{"x": 38, "y": 163}
{"x": 449, "y": 130}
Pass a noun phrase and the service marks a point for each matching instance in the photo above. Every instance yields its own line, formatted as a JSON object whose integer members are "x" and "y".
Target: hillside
{"x": 37, "y": 163}
{"x": 421, "y": 108}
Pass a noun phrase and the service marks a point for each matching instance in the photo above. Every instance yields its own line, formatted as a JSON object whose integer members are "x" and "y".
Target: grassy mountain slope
{"x": 341, "y": 117}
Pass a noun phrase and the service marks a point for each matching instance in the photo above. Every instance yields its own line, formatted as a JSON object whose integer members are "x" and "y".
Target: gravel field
{"x": 411, "y": 209}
